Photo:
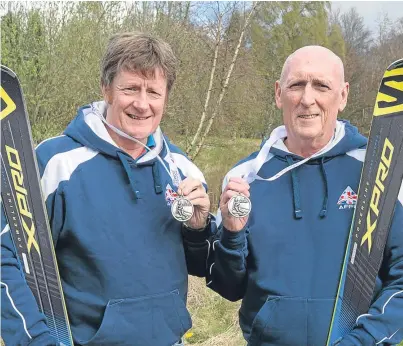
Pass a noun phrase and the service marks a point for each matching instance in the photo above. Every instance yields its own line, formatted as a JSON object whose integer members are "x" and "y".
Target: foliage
{"x": 55, "y": 48}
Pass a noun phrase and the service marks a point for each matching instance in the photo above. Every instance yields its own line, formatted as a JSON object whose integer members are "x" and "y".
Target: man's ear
{"x": 278, "y": 94}
{"x": 344, "y": 96}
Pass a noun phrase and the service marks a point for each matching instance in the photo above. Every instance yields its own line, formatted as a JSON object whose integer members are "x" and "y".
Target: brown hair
{"x": 138, "y": 52}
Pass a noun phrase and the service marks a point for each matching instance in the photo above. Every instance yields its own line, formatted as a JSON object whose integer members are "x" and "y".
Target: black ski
{"x": 25, "y": 209}
{"x": 381, "y": 178}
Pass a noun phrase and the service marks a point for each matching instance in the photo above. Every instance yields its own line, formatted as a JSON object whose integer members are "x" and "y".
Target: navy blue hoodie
{"x": 123, "y": 259}
{"x": 286, "y": 263}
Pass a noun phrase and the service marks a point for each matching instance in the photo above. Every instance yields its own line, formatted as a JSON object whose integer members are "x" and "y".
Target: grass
{"x": 215, "y": 320}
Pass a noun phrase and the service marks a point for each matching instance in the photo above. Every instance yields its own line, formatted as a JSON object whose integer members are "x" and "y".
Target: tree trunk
{"x": 225, "y": 86}
{"x": 210, "y": 87}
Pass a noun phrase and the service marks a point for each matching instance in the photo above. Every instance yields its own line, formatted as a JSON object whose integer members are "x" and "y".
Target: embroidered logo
{"x": 170, "y": 194}
{"x": 348, "y": 199}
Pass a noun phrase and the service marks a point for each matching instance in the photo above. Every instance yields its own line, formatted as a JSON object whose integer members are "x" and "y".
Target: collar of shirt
{"x": 150, "y": 143}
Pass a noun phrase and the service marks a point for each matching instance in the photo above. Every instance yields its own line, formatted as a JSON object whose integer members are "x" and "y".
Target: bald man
{"x": 284, "y": 258}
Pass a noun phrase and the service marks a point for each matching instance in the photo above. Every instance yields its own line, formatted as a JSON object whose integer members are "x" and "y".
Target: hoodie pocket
{"x": 319, "y": 318}
{"x": 157, "y": 320}
{"x": 290, "y": 321}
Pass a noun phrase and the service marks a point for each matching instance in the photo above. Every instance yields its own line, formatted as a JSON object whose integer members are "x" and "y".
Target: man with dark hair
{"x": 108, "y": 183}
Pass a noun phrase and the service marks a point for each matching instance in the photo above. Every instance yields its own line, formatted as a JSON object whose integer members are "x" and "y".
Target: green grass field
{"x": 215, "y": 320}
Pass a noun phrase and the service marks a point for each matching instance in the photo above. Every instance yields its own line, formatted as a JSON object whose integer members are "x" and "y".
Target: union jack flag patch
{"x": 348, "y": 199}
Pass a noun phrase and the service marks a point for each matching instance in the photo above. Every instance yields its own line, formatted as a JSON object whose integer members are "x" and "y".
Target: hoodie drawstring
{"x": 129, "y": 172}
{"x": 157, "y": 179}
{"x": 296, "y": 190}
{"x": 323, "y": 212}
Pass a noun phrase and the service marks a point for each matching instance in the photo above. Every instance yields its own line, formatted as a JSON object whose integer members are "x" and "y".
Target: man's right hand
{"x": 235, "y": 186}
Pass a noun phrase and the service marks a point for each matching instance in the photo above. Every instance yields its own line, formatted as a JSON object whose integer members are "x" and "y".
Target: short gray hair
{"x": 138, "y": 52}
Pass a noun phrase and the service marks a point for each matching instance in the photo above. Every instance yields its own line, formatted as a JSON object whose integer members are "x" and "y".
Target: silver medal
{"x": 182, "y": 209}
{"x": 239, "y": 206}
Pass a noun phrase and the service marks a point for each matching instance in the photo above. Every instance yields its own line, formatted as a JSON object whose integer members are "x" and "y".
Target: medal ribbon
{"x": 280, "y": 133}
{"x": 173, "y": 172}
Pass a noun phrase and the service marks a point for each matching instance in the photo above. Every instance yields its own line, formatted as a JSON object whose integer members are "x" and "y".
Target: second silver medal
{"x": 239, "y": 206}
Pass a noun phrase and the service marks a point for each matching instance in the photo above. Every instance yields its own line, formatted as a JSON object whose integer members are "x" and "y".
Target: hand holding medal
{"x": 235, "y": 205}
{"x": 193, "y": 204}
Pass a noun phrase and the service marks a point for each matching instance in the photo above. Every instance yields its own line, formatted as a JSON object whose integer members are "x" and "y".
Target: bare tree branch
{"x": 225, "y": 86}
{"x": 210, "y": 87}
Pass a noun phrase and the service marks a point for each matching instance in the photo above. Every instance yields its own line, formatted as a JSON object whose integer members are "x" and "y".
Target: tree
{"x": 278, "y": 30}
{"x": 225, "y": 84}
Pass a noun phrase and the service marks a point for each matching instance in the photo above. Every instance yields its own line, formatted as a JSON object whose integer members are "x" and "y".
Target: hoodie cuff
{"x": 358, "y": 337}
{"x": 197, "y": 235}
{"x": 233, "y": 240}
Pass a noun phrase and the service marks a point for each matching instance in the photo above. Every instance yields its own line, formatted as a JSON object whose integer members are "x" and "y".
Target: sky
{"x": 371, "y": 10}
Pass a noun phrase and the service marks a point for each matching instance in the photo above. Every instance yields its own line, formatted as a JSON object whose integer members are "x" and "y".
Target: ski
{"x": 381, "y": 178}
{"x": 22, "y": 200}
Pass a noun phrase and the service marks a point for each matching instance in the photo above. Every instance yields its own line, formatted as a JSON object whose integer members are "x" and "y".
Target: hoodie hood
{"x": 88, "y": 129}
{"x": 346, "y": 138}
